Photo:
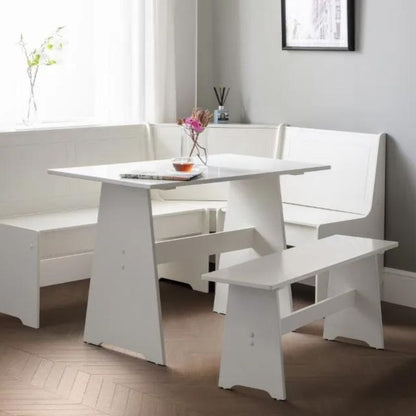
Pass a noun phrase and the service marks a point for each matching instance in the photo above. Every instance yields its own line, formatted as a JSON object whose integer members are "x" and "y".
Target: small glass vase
{"x": 194, "y": 147}
{"x": 31, "y": 115}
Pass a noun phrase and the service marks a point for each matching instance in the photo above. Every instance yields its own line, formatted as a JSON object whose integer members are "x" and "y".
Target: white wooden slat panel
{"x": 349, "y": 185}
{"x": 25, "y": 186}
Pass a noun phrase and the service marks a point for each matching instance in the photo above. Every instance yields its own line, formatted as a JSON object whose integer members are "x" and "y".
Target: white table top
{"x": 221, "y": 168}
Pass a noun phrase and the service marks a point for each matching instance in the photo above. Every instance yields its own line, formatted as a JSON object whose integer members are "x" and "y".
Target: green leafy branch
{"x": 43, "y": 55}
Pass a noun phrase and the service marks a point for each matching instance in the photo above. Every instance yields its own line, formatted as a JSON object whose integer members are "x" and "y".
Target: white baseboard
{"x": 399, "y": 287}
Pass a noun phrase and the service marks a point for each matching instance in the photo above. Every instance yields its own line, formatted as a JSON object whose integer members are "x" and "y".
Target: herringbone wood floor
{"x": 50, "y": 371}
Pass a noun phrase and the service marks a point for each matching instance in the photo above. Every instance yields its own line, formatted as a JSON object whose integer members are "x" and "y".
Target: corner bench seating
{"x": 252, "y": 349}
{"x": 347, "y": 199}
{"x": 61, "y": 214}
{"x": 43, "y": 241}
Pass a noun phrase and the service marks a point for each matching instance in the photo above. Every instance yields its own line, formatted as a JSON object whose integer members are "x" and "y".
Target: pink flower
{"x": 194, "y": 124}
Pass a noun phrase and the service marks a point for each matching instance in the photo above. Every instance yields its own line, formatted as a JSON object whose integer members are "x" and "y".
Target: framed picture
{"x": 318, "y": 24}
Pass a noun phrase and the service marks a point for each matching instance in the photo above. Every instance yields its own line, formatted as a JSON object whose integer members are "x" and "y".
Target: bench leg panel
{"x": 252, "y": 350}
{"x": 321, "y": 286}
{"x": 363, "y": 321}
{"x": 19, "y": 274}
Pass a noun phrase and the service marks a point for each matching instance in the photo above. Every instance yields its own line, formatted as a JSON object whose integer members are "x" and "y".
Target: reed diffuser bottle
{"x": 221, "y": 115}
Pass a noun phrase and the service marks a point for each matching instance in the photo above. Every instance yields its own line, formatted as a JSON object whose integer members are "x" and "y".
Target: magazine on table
{"x": 165, "y": 175}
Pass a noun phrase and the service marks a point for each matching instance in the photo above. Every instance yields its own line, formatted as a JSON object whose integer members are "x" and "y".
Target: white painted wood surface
{"x": 126, "y": 249}
{"x": 349, "y": 186}
{"x": 318, "y": 310}
{"x": 123, "y": 302}
{"x": 332, "y": 202}
{"x": 221, "y": 168}
{"x": 252, "y": 349}
{"x": 252, "y": 353}
{"x": 257, "y": 203}
{"x": 188, "y": 247}
{"x": 25, "y": 157}
{"x": 242, "y": 139}
{"x": 56, "y": 213}
{"x": 65, "y": 254}
{"x": 362, "y": 321}
{"x": 20, "y": 291}
{"x": 64, "y": 248}
{"x": 277, "y": 270}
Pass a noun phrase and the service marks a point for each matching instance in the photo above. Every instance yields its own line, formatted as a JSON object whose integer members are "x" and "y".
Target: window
{"x": 100, "y": 72}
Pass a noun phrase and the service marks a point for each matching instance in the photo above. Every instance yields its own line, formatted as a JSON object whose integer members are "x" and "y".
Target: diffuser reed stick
{"x": 221, "y": 114}
{"x": 222, "y": 94}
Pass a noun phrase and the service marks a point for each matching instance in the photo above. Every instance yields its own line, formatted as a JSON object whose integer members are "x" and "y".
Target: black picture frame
{"x": 350, "y": 28}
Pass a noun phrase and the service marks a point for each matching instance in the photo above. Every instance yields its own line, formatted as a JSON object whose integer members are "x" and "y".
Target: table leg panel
{"x": 124, "y": 301}
{"x": 254, "y": 203}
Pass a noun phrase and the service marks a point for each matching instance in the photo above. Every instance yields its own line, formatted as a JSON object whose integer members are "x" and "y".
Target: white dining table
{"x": 124, "y": 301}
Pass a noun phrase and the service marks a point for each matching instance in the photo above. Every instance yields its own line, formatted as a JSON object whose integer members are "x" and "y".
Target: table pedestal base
{"x": 124, "y": 303}
{"x": 254, "y": 203}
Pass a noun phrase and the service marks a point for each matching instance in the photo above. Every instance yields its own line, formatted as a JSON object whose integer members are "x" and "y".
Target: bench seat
{"x": 293, "y": 214}
{"x": 57, "y": 247}
{"x": 252, "y": 354}
{"x": 303, "y": 223}
{"x": 86, "y": 217}
{"x": 315, "y": 217}
{"x": 70, "y": 232}
{"x": 304, "y": 216}
{"x": 277, "y": 270}
{"x": 54, "y": 220}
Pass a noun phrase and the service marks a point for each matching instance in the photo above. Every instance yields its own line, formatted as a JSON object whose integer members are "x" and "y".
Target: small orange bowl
{"x": 183, "y": 164}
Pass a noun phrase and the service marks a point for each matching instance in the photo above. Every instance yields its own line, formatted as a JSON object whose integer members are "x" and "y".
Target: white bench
{"x": 47, "y": 225}
{"x": 252, "y": 348}
{"x": 347, "y": 199}
{"x": 60, "y": 214}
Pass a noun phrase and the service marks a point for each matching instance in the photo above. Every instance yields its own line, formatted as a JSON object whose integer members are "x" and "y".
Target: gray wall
{"x": 371, "y": 90}
{"x": 185, "y": 51}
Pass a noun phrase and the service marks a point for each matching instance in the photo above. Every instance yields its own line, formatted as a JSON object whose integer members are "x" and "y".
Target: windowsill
{"x": 70, "y": 125}
{"x": 63, "y": 126}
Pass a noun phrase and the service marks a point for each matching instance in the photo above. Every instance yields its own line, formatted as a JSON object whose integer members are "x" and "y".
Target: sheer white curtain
{"x": 138, "y": 62}
{"x": 117, "y": 63}
{"x": 160, "y": 77}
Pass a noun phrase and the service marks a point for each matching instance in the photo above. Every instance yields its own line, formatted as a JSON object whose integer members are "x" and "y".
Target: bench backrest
{"x": 355, "y": 180}
{"x": 354, "y": 184}
{"x": 254, "y": 140}
{"x": 25, "y": 186}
